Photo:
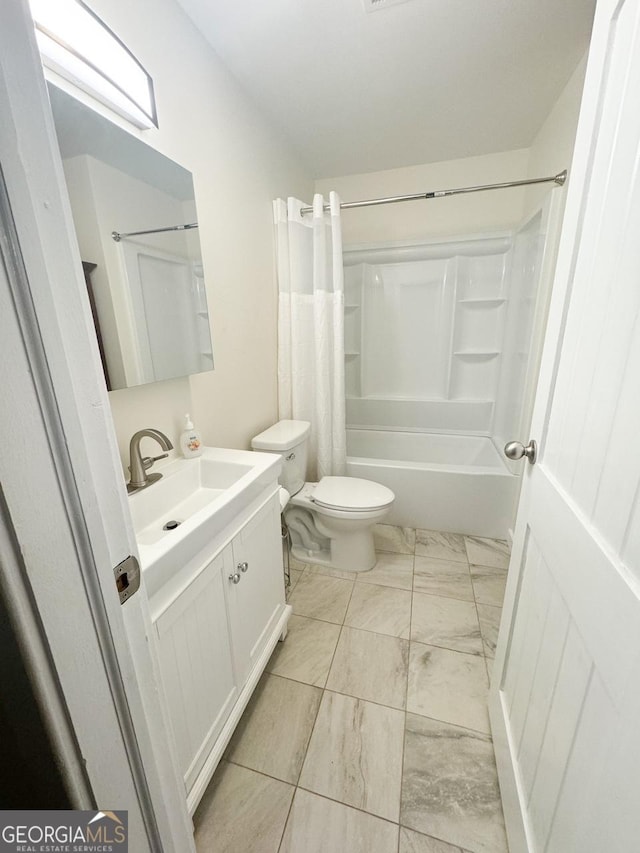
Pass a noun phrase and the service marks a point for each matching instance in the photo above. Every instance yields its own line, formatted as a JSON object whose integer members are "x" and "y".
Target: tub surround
{"x": 442, "y": 341}
{"x": 424, "y": 330}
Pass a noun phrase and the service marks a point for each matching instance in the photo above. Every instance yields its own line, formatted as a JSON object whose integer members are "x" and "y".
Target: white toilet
{"x": 331, "y": 522}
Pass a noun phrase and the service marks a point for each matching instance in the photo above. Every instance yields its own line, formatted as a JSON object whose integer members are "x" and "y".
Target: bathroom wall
{"x": 239, "y": 163}
{"x": 420, "y": 220}
{"x": 552, "y": 149}
{"x": 549, "y": 153}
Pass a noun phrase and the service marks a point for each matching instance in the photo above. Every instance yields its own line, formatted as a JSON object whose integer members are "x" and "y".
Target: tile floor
{"x": 368, "y": 732}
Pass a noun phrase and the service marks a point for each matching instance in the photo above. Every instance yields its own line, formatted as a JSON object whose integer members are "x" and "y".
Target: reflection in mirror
{"x": 147, "y": 291}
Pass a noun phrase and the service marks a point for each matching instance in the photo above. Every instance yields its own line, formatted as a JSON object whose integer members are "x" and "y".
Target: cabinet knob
{"x": 235, "y": 577}
{"x": 244, "y": 567}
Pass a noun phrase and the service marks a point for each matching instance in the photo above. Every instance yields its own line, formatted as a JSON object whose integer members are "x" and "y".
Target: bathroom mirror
{"x": 147, "y": 291}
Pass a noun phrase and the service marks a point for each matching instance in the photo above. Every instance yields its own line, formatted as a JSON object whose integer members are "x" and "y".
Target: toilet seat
{"x": 351, "y": 494}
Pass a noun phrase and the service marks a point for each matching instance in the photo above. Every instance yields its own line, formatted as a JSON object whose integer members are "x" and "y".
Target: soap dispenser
{"x": 190, "y": 440}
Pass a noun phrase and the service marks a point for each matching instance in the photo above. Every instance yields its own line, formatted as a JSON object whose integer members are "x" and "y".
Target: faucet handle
{"x": 147, "y": 461}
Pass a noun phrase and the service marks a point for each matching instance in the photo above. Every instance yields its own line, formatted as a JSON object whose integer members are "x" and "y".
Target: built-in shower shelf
{"x": 477, "y": 353}
{"x": 485, "y": 300}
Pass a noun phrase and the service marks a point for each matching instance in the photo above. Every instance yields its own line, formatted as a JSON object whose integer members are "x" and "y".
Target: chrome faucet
{"x": 138, "y": 464}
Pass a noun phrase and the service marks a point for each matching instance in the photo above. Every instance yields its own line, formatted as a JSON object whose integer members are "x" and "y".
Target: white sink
{"x": 202, "y": 495}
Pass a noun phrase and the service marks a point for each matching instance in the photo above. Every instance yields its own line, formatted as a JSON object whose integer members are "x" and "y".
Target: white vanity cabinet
{"x": 199, "y": 681}
{"x": 255, "y": 600}
{"x": 216, "y": 628}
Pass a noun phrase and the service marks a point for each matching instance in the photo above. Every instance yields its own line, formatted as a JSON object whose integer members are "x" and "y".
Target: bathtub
{"x": 456, "y": 483}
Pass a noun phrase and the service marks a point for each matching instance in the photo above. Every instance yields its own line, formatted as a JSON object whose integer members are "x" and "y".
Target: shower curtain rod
{"x": 559, "y": 179}
{"x": 117, "y": 236}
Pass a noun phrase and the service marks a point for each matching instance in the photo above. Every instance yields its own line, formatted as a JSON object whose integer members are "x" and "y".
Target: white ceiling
{"x": 417, "y": 82}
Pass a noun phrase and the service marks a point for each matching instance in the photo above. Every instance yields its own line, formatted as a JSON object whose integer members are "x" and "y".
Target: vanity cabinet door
{"x": 257, "y": 599}
{"x": 196, "y": 666}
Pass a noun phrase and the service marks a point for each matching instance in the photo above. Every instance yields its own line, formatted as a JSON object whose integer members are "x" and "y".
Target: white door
{"x": 64, "y": 523}
{"x": 565, "y": 696}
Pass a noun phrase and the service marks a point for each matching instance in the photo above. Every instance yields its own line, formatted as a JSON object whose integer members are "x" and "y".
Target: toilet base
{"x": 351, "y": 557}
{"x": 334, "y": 537}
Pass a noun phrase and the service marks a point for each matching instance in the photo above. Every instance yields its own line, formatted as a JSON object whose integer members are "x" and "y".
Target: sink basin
{"x": 180, "y": 514}
{"x": 187, "y": 486}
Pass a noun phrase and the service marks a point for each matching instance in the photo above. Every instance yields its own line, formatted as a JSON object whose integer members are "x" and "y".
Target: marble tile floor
{"x": 368, "y": 732}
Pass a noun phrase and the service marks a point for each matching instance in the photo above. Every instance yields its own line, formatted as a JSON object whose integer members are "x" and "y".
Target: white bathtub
{"x": 456, "y": 483}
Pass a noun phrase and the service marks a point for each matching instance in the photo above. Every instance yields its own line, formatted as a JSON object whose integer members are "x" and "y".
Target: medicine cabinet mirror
{"x": 147, "y": 291}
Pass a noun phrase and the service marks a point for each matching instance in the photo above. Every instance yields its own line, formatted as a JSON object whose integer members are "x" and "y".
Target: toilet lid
{"x": 351, "y": 493}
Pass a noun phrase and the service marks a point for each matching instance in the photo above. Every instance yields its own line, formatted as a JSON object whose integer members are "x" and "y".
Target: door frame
{"x": 578, "y": 188}
{"x": 91, "y": 661}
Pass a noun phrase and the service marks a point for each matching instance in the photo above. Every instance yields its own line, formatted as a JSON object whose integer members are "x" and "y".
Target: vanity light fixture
{"x": 77, "y": 45}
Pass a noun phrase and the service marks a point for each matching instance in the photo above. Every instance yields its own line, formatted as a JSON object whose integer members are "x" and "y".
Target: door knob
{"x": 516, "y": 450}
{"x": 235, "y": 577}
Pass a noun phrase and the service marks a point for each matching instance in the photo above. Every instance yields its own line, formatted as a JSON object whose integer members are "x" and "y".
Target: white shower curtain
{"x": 311, "y": 327}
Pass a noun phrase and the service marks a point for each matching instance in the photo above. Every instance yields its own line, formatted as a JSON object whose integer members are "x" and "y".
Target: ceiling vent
{"x": 378, "y": 5}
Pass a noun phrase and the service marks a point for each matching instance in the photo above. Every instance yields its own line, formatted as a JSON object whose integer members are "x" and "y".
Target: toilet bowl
{"x": 344, "y": 511}
{"x": 330, "y": 522}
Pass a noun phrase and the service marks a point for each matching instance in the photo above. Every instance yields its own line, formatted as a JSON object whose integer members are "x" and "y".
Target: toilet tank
{"x": 291, "y": 440}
